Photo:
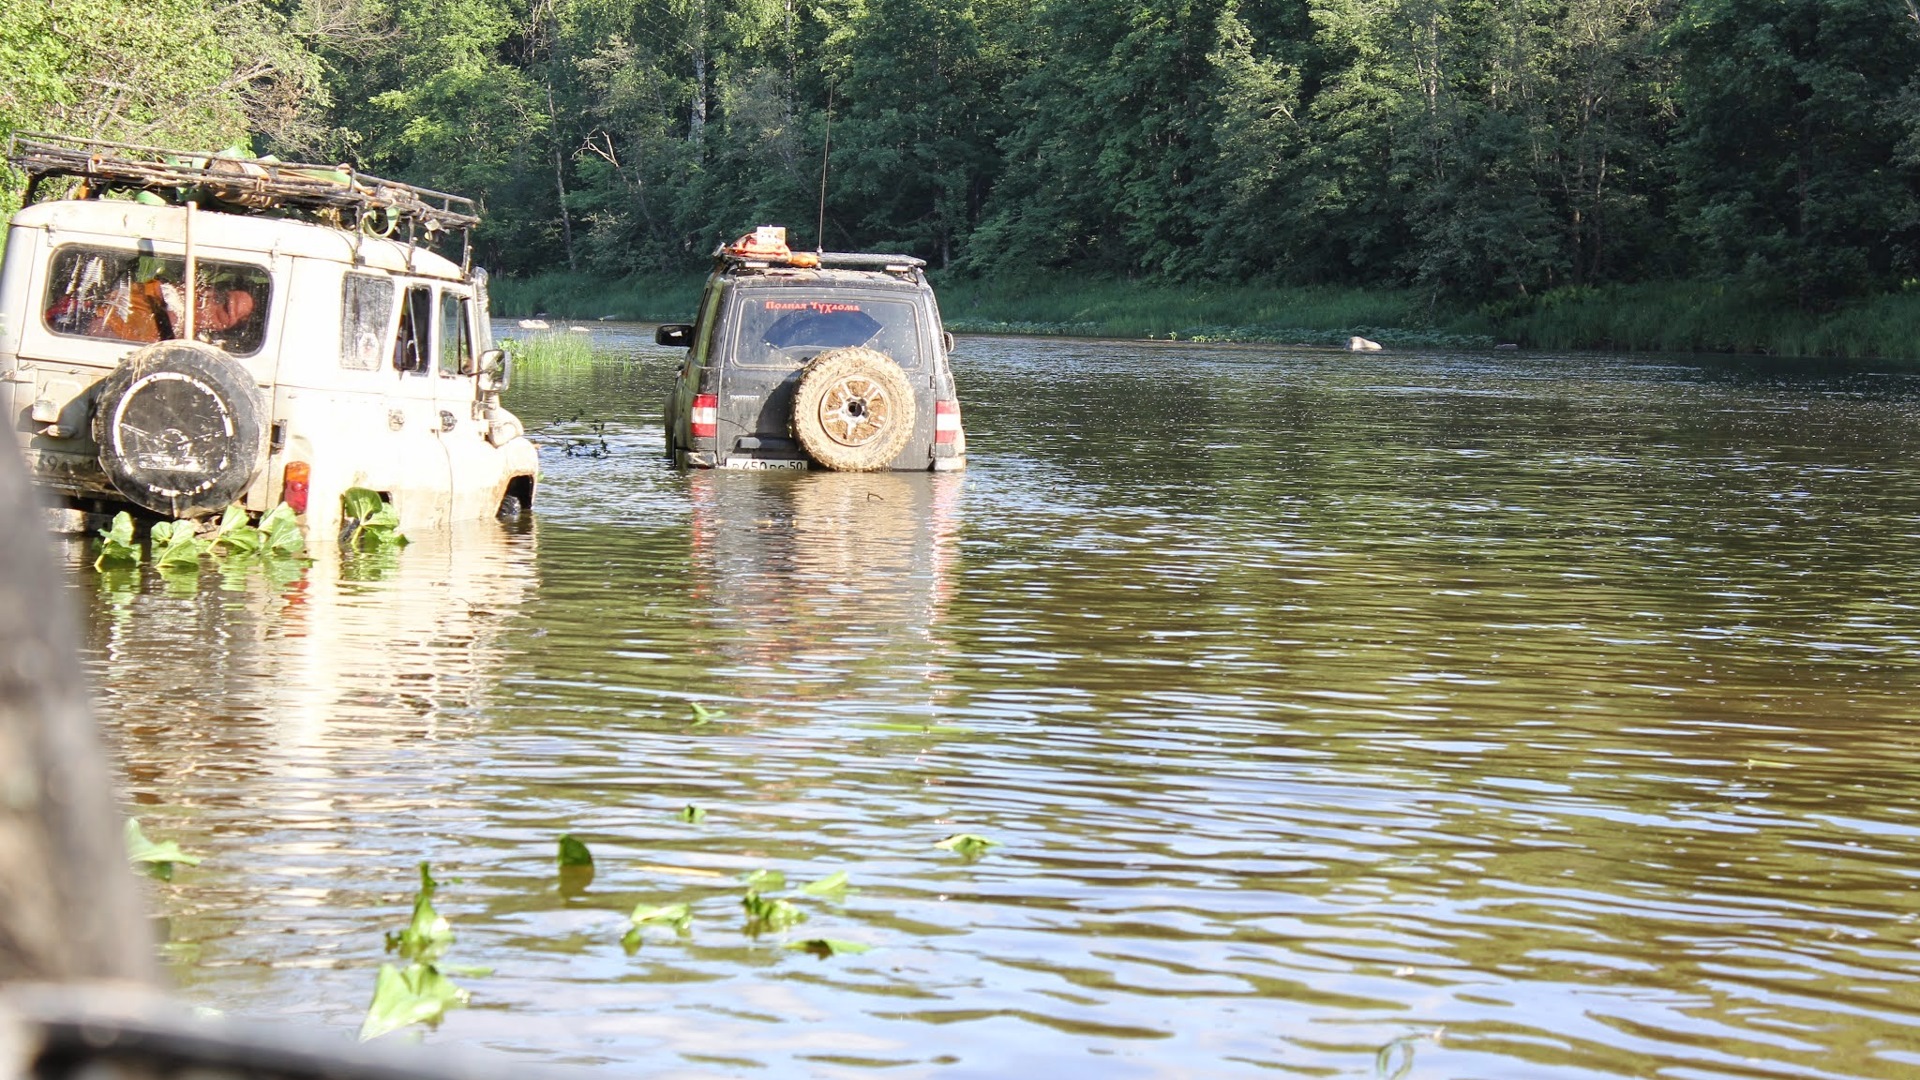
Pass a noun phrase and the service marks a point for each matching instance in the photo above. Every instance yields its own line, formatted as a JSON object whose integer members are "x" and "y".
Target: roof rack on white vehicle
{"x": 337, "y": 195}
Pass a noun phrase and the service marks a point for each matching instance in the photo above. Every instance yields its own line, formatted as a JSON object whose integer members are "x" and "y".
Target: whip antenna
{"x": 820, "y": 231}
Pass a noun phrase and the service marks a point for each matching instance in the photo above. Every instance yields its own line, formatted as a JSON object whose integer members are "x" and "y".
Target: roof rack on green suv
{"x": 814, "y": 359}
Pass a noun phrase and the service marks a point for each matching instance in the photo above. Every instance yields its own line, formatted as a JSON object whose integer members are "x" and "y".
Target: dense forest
{"x": 1478, "y": 151}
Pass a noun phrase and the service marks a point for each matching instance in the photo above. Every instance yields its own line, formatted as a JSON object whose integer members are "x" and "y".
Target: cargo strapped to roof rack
{"x": 336, "y": 195}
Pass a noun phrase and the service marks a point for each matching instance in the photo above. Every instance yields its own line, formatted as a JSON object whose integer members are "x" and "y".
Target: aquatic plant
{"x": 117, "y": 546}
{"x": 419, "y": 993}
{"x": 370, "y": 523}
{"x": 967, "y": 845}
{"x": 157, "y": 859}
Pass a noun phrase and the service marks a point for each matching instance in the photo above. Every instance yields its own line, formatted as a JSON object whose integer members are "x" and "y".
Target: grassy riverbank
{"x": 1658, "y": 317}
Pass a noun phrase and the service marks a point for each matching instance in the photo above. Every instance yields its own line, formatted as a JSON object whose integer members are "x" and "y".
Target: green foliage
{"x": 676, "y": 917}
{"x": 833, "y": 886}
{"x": 549, "y": 351}
{"x": 1439, "y": 156}
{"x": 427, "y": 935}
{"x": 574, "y": 853}
{"x": 416, "y": 994}
{"x": 967, "y": 845}
{"x": 157, "y": 859}
{"x": 829, "y": 947}
{"x": 371, "y": 523}
{"x": 769, "y": 914}
{"x": 691, "y": 814}
{"x": 177, "y": 544}
{"x": 117, "y": 546}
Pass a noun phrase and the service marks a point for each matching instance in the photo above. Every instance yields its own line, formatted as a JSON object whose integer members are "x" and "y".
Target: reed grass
{"x": 1096, "y": 307}
{"x": 1714, "y": 317}
{"x": 1686, "y": 316}
{"x": 549, "y": 349}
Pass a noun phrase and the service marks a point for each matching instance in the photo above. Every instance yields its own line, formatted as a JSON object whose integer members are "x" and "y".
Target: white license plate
{"x": 762, "y": 463}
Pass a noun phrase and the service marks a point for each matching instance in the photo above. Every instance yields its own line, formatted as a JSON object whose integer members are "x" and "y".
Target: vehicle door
{"x": 689, "y": 381}
{"x": 777, "y": 331}
{"x": 473, "y": 462}
{"x": 419, "y": 475}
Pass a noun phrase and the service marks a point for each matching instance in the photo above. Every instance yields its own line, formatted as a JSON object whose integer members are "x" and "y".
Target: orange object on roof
{"x": 765, "y": 242}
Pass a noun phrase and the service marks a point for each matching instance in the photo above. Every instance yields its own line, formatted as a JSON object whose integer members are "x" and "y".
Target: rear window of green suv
{"x": 778, "y": 329}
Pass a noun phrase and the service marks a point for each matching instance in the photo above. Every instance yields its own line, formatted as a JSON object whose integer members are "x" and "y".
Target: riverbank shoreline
{"x": 1658, "y": 317}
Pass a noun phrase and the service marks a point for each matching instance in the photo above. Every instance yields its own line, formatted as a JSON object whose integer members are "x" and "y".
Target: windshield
{"x": 788, "y": 330}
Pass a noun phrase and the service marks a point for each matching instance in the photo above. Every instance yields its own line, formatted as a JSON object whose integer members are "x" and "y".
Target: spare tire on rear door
{"x": 853, "y": 409}
{"x": 179, "y": 426}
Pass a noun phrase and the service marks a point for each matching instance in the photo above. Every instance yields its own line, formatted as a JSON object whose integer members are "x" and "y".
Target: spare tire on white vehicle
{"x": 181, "y": 428}
{"x": 853, "y": 409}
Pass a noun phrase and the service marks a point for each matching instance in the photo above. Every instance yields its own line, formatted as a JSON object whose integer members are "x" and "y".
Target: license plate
{"x": 763, "y": 463}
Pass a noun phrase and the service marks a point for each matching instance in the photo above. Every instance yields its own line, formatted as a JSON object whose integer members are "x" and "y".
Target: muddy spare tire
{"x": 853, "y": 410}
{"x": 180, "y": 428}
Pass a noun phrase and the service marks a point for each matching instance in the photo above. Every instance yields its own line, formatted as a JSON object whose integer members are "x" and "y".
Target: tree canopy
{"x": 1477, "y": 149}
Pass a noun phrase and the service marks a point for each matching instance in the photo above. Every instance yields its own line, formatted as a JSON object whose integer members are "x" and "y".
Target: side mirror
{"x": 496, "y": 370}
{"x": 677, "y": 335}
{"x": 946, "y": 340}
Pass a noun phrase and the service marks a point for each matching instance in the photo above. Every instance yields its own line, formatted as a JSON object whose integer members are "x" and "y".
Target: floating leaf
{"x": 766, "y": 881}
{"x": 692, "y": 814}
{"x": 967, "y": 844}
{"x": 428, "y": 934}
{"x": 465, "y": 971}
{"x": 116, "y": 544}
{"x": 701, "y": 714}
{"x": 158, "y": 859}
{"x": 573, "y": 852}
{"x": 372, "y": 524}
{"x": 177, "y": 545}
{"x": 677, "y": 916}
{"x": 823, "y": 947}
{"x": 765, "y": 914}
{"x": 420, "y": 994}
{"x": 834, "y": 884}
{"x": 280, "y": 532}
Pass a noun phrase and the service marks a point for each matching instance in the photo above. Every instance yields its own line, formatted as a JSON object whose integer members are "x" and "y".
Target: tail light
{"x": 293, "y": 489}
{"x": 946, "y": 421}
{"x": 706, "y": 416}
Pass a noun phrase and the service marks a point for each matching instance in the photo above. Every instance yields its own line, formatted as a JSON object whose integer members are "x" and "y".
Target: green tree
{"x": 1788, "y": 162}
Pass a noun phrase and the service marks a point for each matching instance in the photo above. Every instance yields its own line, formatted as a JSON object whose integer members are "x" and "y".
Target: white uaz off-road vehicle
{"x": 181, "y": 333}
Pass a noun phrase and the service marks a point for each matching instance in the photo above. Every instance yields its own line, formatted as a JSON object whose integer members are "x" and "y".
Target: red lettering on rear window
{"x": 821, "y": 306}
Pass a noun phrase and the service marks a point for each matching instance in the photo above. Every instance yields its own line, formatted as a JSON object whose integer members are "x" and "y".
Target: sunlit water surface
{"x": 1465, "y": 716}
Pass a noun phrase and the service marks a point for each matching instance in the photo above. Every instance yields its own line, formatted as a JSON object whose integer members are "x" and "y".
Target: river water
{"x": 1410, "y": 715}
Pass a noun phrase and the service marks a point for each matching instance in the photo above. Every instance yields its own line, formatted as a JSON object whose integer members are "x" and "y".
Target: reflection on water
{"x": 1509, "y": 716}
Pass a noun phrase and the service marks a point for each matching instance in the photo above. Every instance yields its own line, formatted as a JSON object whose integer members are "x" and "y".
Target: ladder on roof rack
{"x": 337, "y": 195}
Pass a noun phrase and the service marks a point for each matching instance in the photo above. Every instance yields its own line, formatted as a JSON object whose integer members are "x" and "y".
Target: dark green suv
{"x": 813, "y": 360}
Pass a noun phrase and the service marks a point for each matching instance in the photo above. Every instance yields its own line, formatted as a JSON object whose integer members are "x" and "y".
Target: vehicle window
{"x": 366, "y": 312}
{"x": 412, "y": 351}
{"x": 456, "y": 341}
{"x": 787, "y": 331}
{"x": 127, "y": 296}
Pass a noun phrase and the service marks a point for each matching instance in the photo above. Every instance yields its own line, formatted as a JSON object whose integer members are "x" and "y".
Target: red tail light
{"x": 293, "y": 490}
{"x": 946, "y": 421}
{"x": 706, "y": 416}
